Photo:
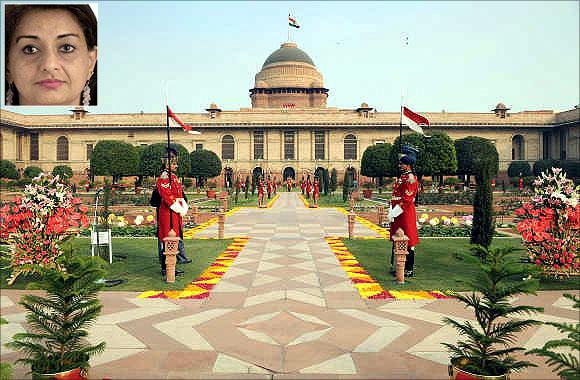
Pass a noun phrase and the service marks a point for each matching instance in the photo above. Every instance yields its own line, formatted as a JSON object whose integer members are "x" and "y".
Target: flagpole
{"x": 289, "y": 27}
{"x": 169, "y": 162}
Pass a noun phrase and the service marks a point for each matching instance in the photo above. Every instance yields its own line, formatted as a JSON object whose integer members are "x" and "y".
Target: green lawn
{"x": 436, "y": 266}
{"x": 135, "y": 260}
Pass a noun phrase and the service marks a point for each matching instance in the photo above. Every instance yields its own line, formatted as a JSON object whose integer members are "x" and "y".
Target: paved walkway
{"x": 285, "y": 309}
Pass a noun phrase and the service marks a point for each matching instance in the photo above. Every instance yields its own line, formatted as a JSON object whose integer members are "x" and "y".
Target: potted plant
{"x": 55, "y": 346}
{"x": 566, "y": 363}
{"x": 211, "y": 191}
{"x": 485, "y": 353}
{"x": 368, "y": 190}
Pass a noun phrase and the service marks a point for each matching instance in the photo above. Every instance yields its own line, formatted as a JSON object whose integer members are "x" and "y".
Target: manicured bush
{"x": 8, "y": 170}
{"x": 461, "y": 198}
{"x": 63, "y": 171}
{"x": 114, "y": 158}
{"x": 204, "y": 164}
{"x": 519, "y": 169}
{"x": 32, "y": 172}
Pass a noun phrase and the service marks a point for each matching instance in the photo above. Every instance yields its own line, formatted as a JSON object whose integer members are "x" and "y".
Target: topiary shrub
{"x": 32, "y": 172}
{"x": 63, "y": 171}
{"x": 8, "y": 170}
{"x": 519, "y": 169}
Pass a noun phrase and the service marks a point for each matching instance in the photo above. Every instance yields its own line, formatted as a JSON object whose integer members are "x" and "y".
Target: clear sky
{"x": 461, "y": 57}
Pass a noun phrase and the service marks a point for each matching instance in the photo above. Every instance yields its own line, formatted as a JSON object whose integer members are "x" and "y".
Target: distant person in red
{"x": 289, "y": 184}
{"x": 269, "y": 186}
{"x": 172, "y": 208}
{"x": 261, "y": 192}
{"x": 302, "y": 185}
{"x": 308, "y": 187}
{"x": 403, "y": 213}
{"x": 315, "y": 191}
{"x": 521, "y": 184}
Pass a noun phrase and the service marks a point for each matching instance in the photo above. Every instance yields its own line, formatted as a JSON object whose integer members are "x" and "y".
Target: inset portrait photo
{"x": 50, "y": 54}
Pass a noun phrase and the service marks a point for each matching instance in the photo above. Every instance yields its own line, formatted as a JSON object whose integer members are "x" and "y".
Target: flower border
{"x": 201, "y": 287}
{"x": 368, "y": 287}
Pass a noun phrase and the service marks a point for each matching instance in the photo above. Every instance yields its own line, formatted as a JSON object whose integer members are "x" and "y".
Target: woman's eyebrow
{"x": 58, "y": 37}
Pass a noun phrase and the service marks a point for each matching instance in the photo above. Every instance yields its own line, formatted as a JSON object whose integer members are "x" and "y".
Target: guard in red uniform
{"x": 308, "y": 187}
{"x": 260, "y": 192}
{"x": 269, "y": 187}
{"x": 289, "y": 184}
{"x": 172, "y": 206}
{"x": 302, "y": 185}
{"x": 315, "y": 192}
{"x": 403, "y": 214}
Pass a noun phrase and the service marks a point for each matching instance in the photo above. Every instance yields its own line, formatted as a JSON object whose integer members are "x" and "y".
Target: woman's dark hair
{"x": 81, "y": 12}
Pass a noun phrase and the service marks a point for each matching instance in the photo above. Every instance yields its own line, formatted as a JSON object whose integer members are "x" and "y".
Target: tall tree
{"x": 439, "y": 157}
{"x": 478, "y": 156}
{"x": 114, "y": 158}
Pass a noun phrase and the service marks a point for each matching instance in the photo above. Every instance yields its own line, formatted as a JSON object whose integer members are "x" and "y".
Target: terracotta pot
{"x": 72, "y": 374}
{"x": 367, "y": 193}
{"x": 456, "y": 373}
{"x": 211, "y": 194}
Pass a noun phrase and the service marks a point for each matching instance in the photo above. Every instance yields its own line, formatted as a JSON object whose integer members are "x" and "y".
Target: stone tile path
{"x": 284, "y": 309}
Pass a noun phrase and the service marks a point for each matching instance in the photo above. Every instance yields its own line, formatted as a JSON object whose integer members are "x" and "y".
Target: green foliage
{"x": 461, "y": 198}
{"x": 247, "y": 187}
{"x": 31, "y": 172}
{"x": 59, "y": 321}
{"x": 519, "y": 169}
{"x": 438, "y": 157}
{"x": 333, "y": 180}
{"x": 204, "y": 164}
{"x": 5, "y": 371}
{"x": 476, "y": 155}
{"x": 8, "y": 170}
{"x": 151, "y": 160}
{"x": 325, "y": 181}
{"x": 485, "y": 348}
{"x": 114, "y": 158}
{"x": 63, "y": 171}
{"x": 567, "y": 364}
{"x": 347, "y": 184}
{"x": 375, "y": 161}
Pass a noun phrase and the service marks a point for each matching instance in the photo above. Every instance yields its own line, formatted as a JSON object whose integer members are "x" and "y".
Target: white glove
{"x": 394, "y": 212}
{"x": 176, "y": 207}
{"x": 184, "y": 205}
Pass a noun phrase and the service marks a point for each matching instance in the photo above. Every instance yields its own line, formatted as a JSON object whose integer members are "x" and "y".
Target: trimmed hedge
{"x": 461, "y": 198}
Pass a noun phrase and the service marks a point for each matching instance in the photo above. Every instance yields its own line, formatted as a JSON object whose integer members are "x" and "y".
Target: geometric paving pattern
{"x": 284, "y": 309}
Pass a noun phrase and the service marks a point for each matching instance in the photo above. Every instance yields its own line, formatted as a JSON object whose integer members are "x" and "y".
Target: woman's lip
{"x": 51, "y": 83}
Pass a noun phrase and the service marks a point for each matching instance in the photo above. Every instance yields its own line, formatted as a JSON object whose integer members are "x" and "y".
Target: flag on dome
{"x": 414, "y": 120}
{"x": 292, "y": 22}
{"x": 175, "y": 122}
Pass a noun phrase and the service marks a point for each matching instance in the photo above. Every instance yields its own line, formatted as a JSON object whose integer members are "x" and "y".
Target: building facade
{"x": 288, "y": 131}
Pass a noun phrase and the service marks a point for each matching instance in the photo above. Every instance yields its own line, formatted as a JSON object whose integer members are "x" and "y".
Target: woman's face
{"x": 49, "y": 61}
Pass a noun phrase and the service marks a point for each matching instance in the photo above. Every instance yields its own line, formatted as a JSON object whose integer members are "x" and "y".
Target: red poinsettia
{"x": 37, "y": 224}
{"x": 550, "y": 224}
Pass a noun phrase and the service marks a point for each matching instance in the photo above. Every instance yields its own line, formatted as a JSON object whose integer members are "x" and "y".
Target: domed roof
{"x": 288, "y": 52}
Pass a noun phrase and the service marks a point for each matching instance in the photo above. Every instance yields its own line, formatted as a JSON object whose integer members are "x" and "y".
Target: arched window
{"x": 62, "y": 149}
{"x": 227, "y": 147}
{"x": 518, "y": 148}
{"x": 350, "y": 147}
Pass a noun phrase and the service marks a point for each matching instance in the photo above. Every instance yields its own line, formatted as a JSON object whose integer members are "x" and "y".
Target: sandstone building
{"x": 288, "y": 131}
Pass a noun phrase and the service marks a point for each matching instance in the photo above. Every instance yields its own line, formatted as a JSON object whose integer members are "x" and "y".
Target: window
{"x": 350, "y": 147}
{"x": 62, "y": 149}
{"x": 258, "y": 145}
{"x": 90, "y": 151}
{"x": 319, "y": 145}
{"x": 227, "y": 147}
{"x": 19, "y": 141}
{"x": 289, "y": 145}
{"x": 198, "y": 147}
{"x": 518, "y": 148}
{"x": 34, "y": 147}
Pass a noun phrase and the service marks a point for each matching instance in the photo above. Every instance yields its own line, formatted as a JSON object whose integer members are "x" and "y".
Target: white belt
{"x": 396, "y": 198}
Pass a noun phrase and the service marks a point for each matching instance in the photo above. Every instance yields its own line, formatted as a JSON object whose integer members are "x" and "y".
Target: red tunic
{"x": 404, "y": 193}
{"x": 260, "y": 188}
{"x": 168, "y": 196}
{"x": 308, "y": 187}
{"x": 316, "y": 193}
